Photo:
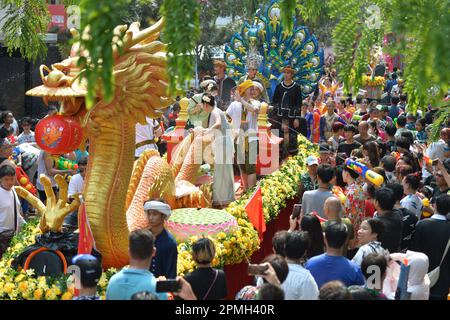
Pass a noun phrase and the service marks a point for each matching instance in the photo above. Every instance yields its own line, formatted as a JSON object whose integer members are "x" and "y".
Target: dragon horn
{"x": 154, "y": 30}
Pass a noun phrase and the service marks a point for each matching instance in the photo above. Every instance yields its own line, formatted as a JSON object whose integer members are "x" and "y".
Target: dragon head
{"x": 139, "y": 73}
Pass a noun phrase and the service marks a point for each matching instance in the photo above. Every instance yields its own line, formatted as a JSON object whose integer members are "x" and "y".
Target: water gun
{"x": 65, "y": 164}
{"x": 365, "y": 172}
{"x": 402, "y": 285}
{"x": 427, "y": 160}
{"x": 338, "y": 192}
{"x": 24, "y": 181}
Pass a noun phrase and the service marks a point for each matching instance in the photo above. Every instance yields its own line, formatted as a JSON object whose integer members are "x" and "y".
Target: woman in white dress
{"x": 219, "y": 132}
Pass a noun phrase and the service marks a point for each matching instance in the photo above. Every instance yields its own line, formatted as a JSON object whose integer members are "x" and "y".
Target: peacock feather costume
{"x": 266, "y": 44}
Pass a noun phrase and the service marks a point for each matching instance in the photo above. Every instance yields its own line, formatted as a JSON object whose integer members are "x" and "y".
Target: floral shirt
{"x": 355, "y": 205}
{"x": 307, "y": 183}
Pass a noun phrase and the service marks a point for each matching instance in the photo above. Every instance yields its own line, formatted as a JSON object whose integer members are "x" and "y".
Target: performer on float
{"x": 244, "y": 115}
{"x": 327, "y": 86}
{"x": 224, "y": 84}
{"x": 222, "y": 145}
{"x": 252, "y": 70}
{"x": 197, "y": 117}
{"x": 147, "y": 136}
{"x": 287, "y": 99}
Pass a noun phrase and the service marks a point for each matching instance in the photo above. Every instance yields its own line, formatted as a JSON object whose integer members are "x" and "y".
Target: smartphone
{"x": 168, "y": 286}
{"x": 257, "y": 269}
{"x": 296, "y": 210}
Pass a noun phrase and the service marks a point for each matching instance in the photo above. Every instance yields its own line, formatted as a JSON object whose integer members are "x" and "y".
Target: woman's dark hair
{"x": 371, "y": 189}
{"x": 203, "y": 251}
{"x": 372, "y": 149}
{"x": 339, "y": 180}
{"x": 357, "y": 153}
{"x": 413, "y": 181}
{"x": 311, "y": 224}
{"x": 278, "y": 264}
{"x": 279, "y": 242}
{"x": 411, "y": 160}
{"x": 208, "y": 99}
{"x": 352, "y": 173}
{"x": 376, "y": 226}
{"x": 403, "y": 171}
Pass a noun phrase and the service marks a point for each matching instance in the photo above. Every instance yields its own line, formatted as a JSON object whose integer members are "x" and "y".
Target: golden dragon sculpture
{"x": 115, "y": 189}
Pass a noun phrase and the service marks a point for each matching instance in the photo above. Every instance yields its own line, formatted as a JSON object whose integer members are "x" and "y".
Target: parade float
{"x": 116, "y": 185}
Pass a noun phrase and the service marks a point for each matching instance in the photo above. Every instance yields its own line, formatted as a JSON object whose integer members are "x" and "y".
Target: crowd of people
{"x": 347, "y": 225}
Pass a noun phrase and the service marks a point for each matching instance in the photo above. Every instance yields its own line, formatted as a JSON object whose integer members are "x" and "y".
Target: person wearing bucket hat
{"x": 244, "y": 115}
{"x": 252, "y": 71}
{"x": 164, "y": 262}
{"x": 287, "y": 100}
{"x": 224, "y": 84}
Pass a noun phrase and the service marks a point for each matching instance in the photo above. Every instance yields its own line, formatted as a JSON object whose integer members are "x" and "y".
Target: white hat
{"x": 311, "y": 160}
{"x": 162, "y": 207}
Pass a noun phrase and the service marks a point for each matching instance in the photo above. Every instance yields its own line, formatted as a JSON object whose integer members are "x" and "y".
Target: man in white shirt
{"x": 147, "y": 136}
{"x": 244, "y": 115}
{"x": 299, "y": 284}
{"x": 76, "y": 186}
{"x": 436, "y": 150}
{"x": 10, "y": 210}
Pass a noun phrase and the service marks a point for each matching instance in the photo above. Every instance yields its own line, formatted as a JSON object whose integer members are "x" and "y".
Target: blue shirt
{"x": 123, "y": 285}
{"x": 394, "y": 111}
{"x": 164, "y": 263}
{"x": 325, "y": 268}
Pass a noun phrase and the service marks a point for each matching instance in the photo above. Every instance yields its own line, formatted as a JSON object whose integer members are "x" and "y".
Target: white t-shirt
{"x": 146, "y": 132}
{"x": 7, "y": 210}
{"x": 26, "y": 138}
{"x": 434, "y": 151}
{"x": 299, "y": 284}
{"x": 76, "y": 184}
{"x": 413, "y": 203}
{"x": 235, "y": 113}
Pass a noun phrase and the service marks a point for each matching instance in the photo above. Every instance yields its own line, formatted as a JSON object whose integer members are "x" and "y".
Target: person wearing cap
{"x": 244, "y": 115}
{"x": 287, "y": 99}
{"x": 252, "y": 71}
{"x": 308, "y": 180}
{"x": 224, "y": 84}
{"x": 87, "y": 277}
{"x": 136, "y": 277}
{"x": 6, "y": 151}
{"x": 164, "y": 263}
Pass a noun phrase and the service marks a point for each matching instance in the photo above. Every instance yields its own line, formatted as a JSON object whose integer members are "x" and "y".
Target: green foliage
{"x": 287, "y": 13}
{"x": 98, "y": 20}
{"x": 25, "y": 25}
{"x": 181, "y": 32}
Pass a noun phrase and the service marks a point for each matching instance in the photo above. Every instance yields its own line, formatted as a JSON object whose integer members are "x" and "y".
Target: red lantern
{"x": 58, "y": 134}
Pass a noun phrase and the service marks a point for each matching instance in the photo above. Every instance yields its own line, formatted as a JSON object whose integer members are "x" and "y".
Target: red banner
{"x": 58, "y": 16}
